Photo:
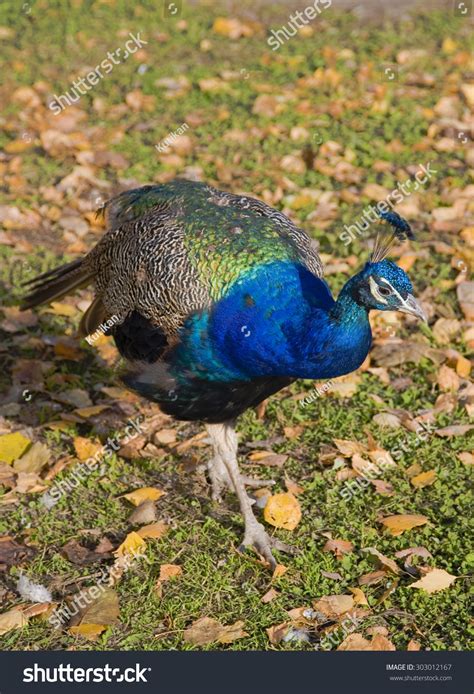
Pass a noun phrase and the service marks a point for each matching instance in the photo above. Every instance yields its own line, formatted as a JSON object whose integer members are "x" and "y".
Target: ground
{"x": 320, "y": 127}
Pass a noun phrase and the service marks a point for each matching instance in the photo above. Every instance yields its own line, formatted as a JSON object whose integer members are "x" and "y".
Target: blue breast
{"x": 274, "y": 321}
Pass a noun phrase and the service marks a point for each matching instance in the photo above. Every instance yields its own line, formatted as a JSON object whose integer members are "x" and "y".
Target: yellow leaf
{"x": 424, "y": 479}
{"x": 154, "y": 530}
{"x": 88, "y": 631}
{"x": 62, "y": 309}
{"x": 86, "y": 448}
{"x": 283, "y": 511}
{"x": 18, "y": 146}
{"x": 405, "y": 521}
{"x": 13, "y": 619}
{"x": 435, "y": 580}
{"x": 133, "y": 544}
{"x": 12, "y": 446}
{"x": 359, "y": 597}
{"x": 138, "y": 496}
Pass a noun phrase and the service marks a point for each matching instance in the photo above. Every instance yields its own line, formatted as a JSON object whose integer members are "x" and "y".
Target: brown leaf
{"x": 169, "y": 571}
{"x": 80, "y": 555}
{"x": 448, "y": 379}
{"x": 283, "y": 511}
{"x": 382, "y": 487}
{"x": 34, "y": 459}
{"x": 434, "y": 580}
{"x": 413, "y": 551}
{"x": 207, "y": 630}
{"x": 293, "y": 432}
{"x": 95, "y": 618}
{"x": 382, "y": 560}
{"x": 13, "y": 619}
{"x": 334, "y": 605}
{"x": 349, "y": 448}
{"x": 413, "y": 645}
{"x": 408, "y": 351}
{"x": 165, "y": 436}
{"x": 12, "y": 553}
{"x": 269, "y": 596}
{"x": 381, "y": 643}
{"x": 143, "y": 514}
{"x": 292, "y": 487}
{"x": 372, "y": 578}
{"x": 454, "y": 430}
{"x": 354, "y": 642}
{"x": 406, "y": 521}
{"x": 466, "y": 458}
{"x": 339, "y": 547}
{"x": 277, "y": 633}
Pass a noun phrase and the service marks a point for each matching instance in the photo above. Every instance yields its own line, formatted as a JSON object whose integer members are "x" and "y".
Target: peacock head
{"x": 382, "y": 285}
{"x": 386, "y": 287}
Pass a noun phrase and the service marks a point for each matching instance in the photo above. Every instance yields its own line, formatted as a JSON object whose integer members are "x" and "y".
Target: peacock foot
{"x": 221, "y": 481}
{"x": 256, "y": 536}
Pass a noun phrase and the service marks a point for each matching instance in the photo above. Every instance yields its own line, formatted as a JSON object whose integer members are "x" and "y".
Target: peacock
{"x": 217, "y": 301}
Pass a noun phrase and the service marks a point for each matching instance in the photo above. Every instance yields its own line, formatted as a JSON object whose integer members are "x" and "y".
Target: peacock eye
{"x": 384, "y": 291}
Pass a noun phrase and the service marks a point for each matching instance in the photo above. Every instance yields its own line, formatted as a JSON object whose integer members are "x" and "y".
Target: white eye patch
{"x": 404, "y": 305}
{"x": 374, "y": 290}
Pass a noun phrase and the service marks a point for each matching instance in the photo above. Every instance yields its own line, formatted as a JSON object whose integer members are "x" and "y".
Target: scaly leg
{"x": 220, "y": 478}
{"x": 224, "y": 441}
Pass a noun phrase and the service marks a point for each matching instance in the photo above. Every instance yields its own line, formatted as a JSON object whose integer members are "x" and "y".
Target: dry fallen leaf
{"x": 405, "y": 521}
{"x": 280, "y": 569}
{"x": 207, "y": 630}
{"x": 424, "y": 479}
{"x": 34, "y": 459}
{"x": 269, "y": 596}
{"x": 384, "y": 561}
{"x": 169, "y": 571}
{"x": 283, "y": 511}
{"x": 334, "y": 605}
{"x": 434, "y": 580}
{"x": 349, "y": 448}
{"x": 138, "y": 496}
{"x": 339, "y": 547}
{"x": 86, "y": 448}
{"x": 13, "y": 619}
{"x": 413, "y": 645}
{"x": 454, "y": 430}
{"x": 96, "y": 617}
{"x": 154, "y": 530}
{"x": 354, "y": 642}
{"x": 381, "y": 643}
{"x": 133, "y": 544}
{"x": 359, "y": 597}
{"x": 165, "y": 436}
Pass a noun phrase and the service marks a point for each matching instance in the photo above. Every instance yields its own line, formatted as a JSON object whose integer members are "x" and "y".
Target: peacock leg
{"x": 218, "y": 475}
{"x": 224, "y": 441}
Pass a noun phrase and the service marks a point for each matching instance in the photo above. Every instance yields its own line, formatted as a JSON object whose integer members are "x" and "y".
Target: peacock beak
{"x": 411, "y": 305}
